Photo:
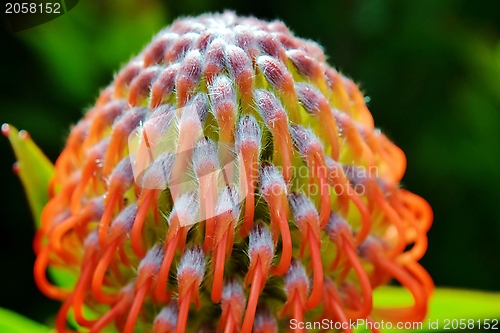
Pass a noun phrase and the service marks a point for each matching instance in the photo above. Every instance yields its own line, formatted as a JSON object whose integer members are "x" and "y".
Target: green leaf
{"x": 446, "y": 305}
{"x": 35, "y": 170}
{"x": 33, "y": 167}
{"x": 11, "y": 322}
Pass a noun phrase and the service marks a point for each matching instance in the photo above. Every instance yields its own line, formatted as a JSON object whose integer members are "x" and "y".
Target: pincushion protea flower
{"x": 230, "y": 180}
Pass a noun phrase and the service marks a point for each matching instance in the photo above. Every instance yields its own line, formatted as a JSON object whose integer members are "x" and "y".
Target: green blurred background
{"x": 430, "y": 68}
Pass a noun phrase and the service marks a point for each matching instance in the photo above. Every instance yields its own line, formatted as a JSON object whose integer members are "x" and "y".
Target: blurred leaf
{"x": 80, "y": 55}
{"x": 11, "y": 322}
{"x": 445, "y": 304}
{"x": 33, "y": 167}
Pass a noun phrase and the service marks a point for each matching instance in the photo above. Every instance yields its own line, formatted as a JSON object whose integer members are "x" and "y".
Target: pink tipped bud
{"x": 303, "y": 209}
{"x": 123, "y": 173}
{"x": 238, "y": 61}
{"x": 151, "y": 263}
{"x": 370, "y": 248}
{"x": 304, "y": 140}
{"x": 158, "y": 174}
{"x": 265, "y": 321}
{"x": 270, "y": 45}
{"x": 123, "y": 223}
{"x": 186, "y": 209}
{"x": 188, "y": 77}
{"x": 311, "y": 98}
{"x": 205, "y": 157}
{"x": 111, "y": 111}
{"x": 125, "y": 76}
{"x": 271, "y": 180}
{"x": 200, "y": 104}
{"x": 166, "y": 320}
{"x": 246, "y": 40}
{"x": 215, "y": 59}
{"x": 232, "y": 292}
{"x": 223, "y": 97}
{"x": 275, "y": 72}
{"x": 140, "y": 85}
{"x": 296, "y": 279}
{"x": 261, "y": 245}
{"x": 155, "y": 52}
{"x": 129, "y": 121}
{"x": 228, "y": 202}
{"x": 269, "y": 106}
{"x": 304, "y": 63}
{"x": 192, "y": 265}
{"x": 335, "y": 224}
{"x": 248, "y": 133}
{"x": 164, "y": 86}
{"x": 181, "y": 46}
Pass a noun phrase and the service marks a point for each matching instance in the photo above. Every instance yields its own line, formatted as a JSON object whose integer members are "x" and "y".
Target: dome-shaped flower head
{"x": 229, "y": 179}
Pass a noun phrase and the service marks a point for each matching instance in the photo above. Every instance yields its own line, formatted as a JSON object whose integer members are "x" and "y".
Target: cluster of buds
{"x": 228, "y": 179}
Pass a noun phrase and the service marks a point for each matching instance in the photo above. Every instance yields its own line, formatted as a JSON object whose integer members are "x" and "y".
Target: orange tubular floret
{"x": 161, "y": 283}
{"x": 136, "y": 306}
{"x": 366, "y": 287}
{"x": 422, "y": 275}
{"x": 298, "y": 310}
{"x": 253, "y": 299}
{"x": 207, "y": 185}
{"x": 100, "y": 272}
{"x": 333, "y": 303}
{"x": 393, "y": 217}
{"x": 42, "y": 283}
{"x": 317, "y": 289}
{"x": 278, "y": 216}
{"x": 114, "y": 194}
{"x": 327, "y": 119}
{"x": 185, "y": 300}
{"x": 62, "y": 315}
{"x": 220, "y": 256}
{"x": 145, "y": 201}
{"x": 79, "y": 294}
{"x": 122, "y": 304}
{"x": 415, "y": 313}
{"x": 419, "y": 207}
{"x": 324, "y": 188}
{"x": 248, "y": 168}
{"x": 282, "y": 134}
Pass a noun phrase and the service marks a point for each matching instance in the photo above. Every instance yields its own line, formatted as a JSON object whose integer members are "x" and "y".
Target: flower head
{"x": 229, "y": 179}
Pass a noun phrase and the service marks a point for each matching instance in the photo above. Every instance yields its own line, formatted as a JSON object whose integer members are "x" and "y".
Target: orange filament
{"x": 363, "y": 280}
{"x": 42, "y": 283}
{"x": 220, "y": 256}
{"x": 253, "y": 298}
{"x": 317, "y": 289}
{"x": 278, "y": 217}
{"x": 207, "y": 186}
{"x": 324, "y": 188}
{"x": 145, "y": 201}
{"x": 184, "y": 302}
{"x": 100, "y": 272}
{"x": 62, "y": 315}
{"x": 250, "y": 159}
{"x": 395, "y": 220}
{"x": 326, "y": 119}
{"x": 419, "y": 309}
{"x": 115, "y": 192}
{"x": 298, "y": 310}
{"x": 136, "y": 306}
{"x": 161, "y": 283}
{"x": 282, "y": 135}
{"x": 79, "y": 294}
{"x": 332, "y": 303}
